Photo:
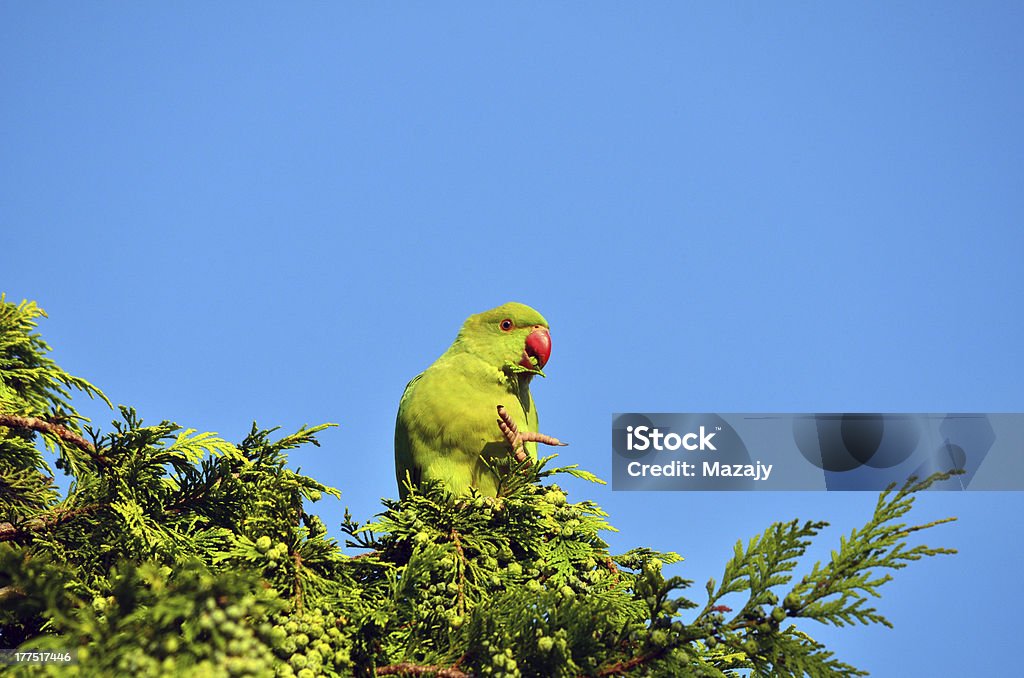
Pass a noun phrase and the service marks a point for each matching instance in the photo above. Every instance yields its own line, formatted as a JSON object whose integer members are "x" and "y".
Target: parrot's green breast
{"x": 447, "y": 418}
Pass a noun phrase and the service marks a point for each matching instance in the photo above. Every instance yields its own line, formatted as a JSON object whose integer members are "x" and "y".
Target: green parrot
{"x": 447, "y": 418}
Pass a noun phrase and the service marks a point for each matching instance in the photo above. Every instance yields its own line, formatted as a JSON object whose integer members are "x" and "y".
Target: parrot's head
{"x": 513, "y": 337}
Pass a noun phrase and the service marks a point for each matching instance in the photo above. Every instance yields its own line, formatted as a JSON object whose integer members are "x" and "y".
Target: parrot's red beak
{"x": 538, "y": 345}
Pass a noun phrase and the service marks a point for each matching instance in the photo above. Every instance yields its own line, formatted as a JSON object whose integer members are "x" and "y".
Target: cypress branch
{"x": 42, "y": 426}
{"x": 177, "y": 552}
{"x": 408, "y": 669}
{"x": 9, "y": 532}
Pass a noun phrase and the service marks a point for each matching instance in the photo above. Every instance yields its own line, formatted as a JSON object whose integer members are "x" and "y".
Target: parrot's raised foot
{"x": 516, "y": 438}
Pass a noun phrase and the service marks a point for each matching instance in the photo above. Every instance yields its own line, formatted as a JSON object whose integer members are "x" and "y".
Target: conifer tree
{"x": 177, "y": 552}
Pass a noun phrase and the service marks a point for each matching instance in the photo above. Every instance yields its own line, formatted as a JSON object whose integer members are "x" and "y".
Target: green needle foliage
{"x": 179, "y": 553}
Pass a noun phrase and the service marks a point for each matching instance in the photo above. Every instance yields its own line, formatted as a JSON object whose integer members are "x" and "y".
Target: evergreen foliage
{"x": 176, "y": 552}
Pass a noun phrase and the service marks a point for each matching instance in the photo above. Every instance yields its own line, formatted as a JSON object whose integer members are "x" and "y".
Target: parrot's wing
{"x": 404, "y": 463}
{"x": 409, "y": 388}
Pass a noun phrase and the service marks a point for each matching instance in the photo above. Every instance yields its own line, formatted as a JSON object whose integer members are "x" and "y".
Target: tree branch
{"x": 626, "y": 665}
{"x": 43, "y": 426}
{"x": 365, "y": 555}
{"x": 54, "y": 429}
{"x": 462, "y": 571}
{"x": 8, "y": 592}
{"x": 407, "y": 669}
{"x": 610, "y": 564}
{"x": 9, "y": 531}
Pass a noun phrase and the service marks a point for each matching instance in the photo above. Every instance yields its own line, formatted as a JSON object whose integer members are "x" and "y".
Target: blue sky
{"x": 284, "y": 213}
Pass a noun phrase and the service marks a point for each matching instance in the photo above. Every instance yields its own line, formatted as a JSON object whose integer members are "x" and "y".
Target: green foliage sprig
{"x": 179, "y": 552}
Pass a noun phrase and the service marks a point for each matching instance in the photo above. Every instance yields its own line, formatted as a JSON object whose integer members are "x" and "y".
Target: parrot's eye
{"x": 506, "y": 325}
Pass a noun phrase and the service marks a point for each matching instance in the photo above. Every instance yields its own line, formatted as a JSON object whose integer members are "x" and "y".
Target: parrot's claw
{"x": 516, "y": 368}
